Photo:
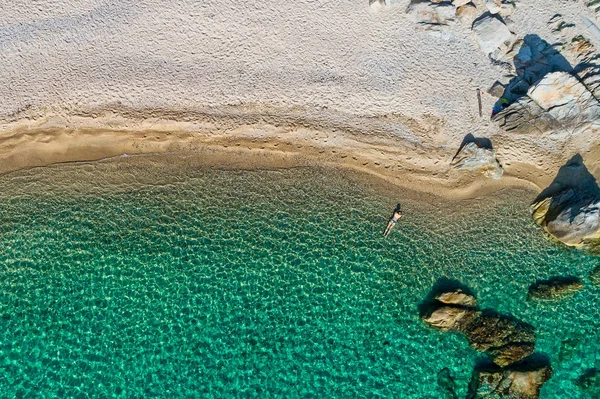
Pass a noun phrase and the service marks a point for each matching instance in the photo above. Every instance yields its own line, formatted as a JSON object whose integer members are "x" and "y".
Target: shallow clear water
{"x": 142, "y": 277}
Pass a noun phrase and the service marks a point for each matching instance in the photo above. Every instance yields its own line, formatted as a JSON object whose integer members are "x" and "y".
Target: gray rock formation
{"x": 554, "y": 288}
{"x": 510, "y": 383}
{"x": 478, "y": 159}
{"x": 432, "y": 15}
{"x": 492, "y": 35}
{"x": 502, "y": 7}
{"x": 558, "y": 104}
{"x": 569, "y": 209}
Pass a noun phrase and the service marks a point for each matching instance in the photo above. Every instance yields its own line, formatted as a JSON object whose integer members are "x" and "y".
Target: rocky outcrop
{"x": 501, "y": 7}
{"x": 492, "y": 35}
{"x": 569, "y": 209}
{"x": 504, "y": 338}
{"x": 571, "y": 216}
{"x": 521, "y": 382}
{"x": 478, "y": 159}
{"x": 466, "y": 13}
{"x": 595, "y": 276}
{"x": 554, "y": 288}
{"x": 558, "y": 104}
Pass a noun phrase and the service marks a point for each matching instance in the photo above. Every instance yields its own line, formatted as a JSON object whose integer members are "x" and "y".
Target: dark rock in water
{"x": 590, "y": 382}
{"x": 522, "y": 381}
{"x": 554, "y": 288}
{"x": 595, "y": 276}
{"x": 511, "y": 353}
{"x": 506, "y": 339}
{"x": 446, "y": 384}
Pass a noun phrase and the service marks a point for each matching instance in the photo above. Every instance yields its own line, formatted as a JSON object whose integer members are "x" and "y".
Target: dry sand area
{"x": 266, "y": 84}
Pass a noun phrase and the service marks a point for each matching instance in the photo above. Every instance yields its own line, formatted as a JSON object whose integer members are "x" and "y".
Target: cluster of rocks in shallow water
{"x": 504, "y": 338}
{"x": 510, "y": 343}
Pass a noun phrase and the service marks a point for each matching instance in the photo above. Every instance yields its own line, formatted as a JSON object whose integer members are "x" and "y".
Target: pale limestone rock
{"x": 432, "y": 15}
{"x": 501, "y": 7}
{"x": 376, "y": 4}
{"x": 448, "y": 318}
{"x": 466, "y": 13}
{"x": 457, "y": 297}
{"x": 458, "y": 3}
{"x": 566, "y": 100}
{"x": 478, "y": 159}
{"x": 492, "y": 35}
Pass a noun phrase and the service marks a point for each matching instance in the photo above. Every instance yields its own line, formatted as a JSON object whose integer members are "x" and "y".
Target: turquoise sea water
{"x": 140, "y": 277}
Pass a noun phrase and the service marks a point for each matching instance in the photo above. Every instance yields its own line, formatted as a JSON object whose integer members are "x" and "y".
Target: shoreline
{"x": 250, "y": 140}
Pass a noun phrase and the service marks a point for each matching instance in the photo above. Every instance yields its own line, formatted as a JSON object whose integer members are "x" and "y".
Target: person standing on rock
{"x": 398, "y": 213}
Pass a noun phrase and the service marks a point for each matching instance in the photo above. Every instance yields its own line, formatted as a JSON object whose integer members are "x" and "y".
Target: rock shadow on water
{"x": 569, "y": 209}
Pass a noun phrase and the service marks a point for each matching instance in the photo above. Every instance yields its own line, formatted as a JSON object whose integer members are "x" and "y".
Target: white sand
{"x": 320, "y": 74}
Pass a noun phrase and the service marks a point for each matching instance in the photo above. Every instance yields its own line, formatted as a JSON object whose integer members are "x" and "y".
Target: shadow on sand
{"x": 482, "y": 142}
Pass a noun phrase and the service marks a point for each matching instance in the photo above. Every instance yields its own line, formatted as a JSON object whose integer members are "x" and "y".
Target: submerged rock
{"x": 554, "y": 288}
{"x": 512, "y": 383}
{"x": 595, "y": 276}
{"x": 478, "y": 159}
{"x": 446, "y": 384}
{"x": 589, "y": 382}
{"x": 504, "y": 338}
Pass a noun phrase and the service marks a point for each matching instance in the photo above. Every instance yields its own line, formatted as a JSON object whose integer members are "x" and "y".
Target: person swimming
{"x": 398, "y": 213}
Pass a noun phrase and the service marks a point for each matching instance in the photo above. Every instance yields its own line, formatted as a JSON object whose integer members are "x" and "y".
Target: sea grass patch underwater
{"x": 140, "y": 277}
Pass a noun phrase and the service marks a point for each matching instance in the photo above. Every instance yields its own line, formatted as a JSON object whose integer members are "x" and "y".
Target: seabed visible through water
{"x": 140, "y": 277}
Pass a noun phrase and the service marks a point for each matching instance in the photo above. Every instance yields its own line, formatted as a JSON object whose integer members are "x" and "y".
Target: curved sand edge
{"x": 241, "y": 137}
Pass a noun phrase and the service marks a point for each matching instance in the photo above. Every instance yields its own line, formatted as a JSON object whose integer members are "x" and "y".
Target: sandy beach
{"x": 362, "y": 87}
